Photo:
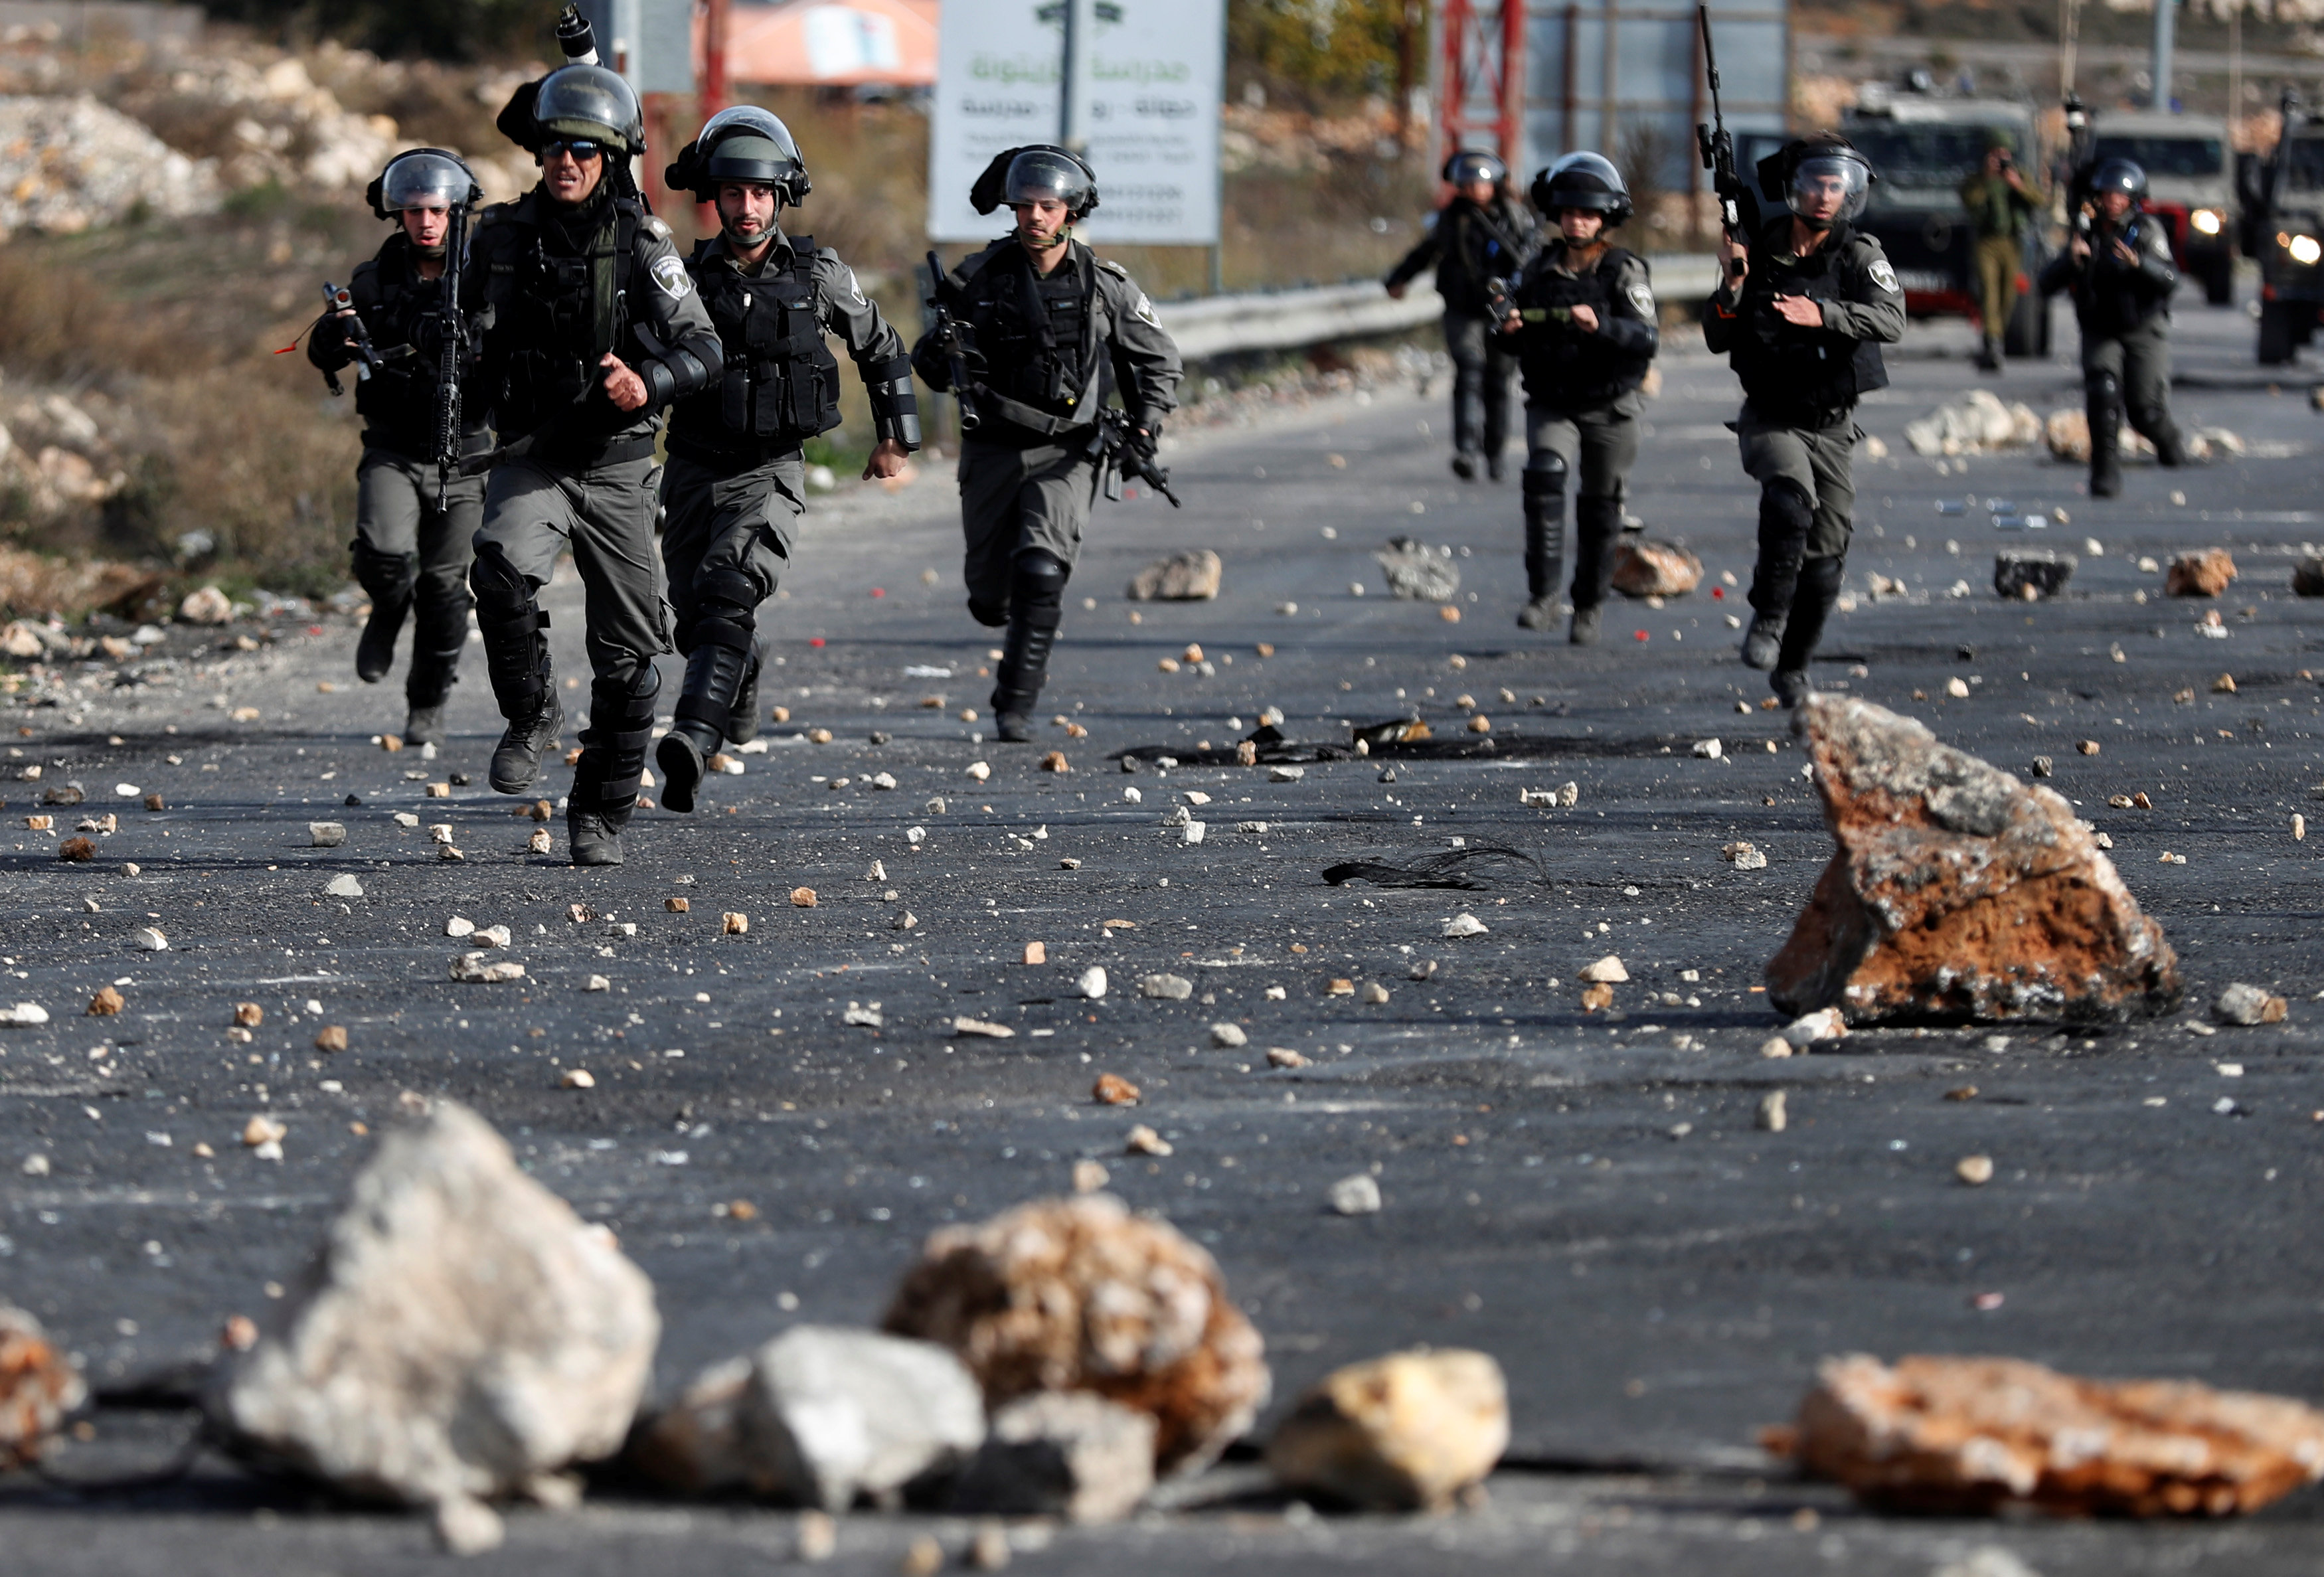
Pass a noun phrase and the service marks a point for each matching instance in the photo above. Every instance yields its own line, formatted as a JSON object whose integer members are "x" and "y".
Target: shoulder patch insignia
{"x": 670, "y": 274}
{"x": 1144, "y": 311}
{"x": 1113, "y": 267}
{"x": 653, "y": 225}
{"x": 1883, "y": 275}
{"x": 854, "y": 289}
{"x": 1642, "y": 302}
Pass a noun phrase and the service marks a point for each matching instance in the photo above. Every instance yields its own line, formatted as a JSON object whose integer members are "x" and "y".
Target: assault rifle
{"x": 1122, "y": 452}
{"x": 336, "y": 300}
{"x": 956, "y": 343}
{"x": 1738, "y": 208}
{"x": 454, "y": 329}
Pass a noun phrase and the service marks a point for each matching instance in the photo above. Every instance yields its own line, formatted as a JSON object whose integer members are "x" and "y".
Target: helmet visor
{"x": 1829, "y": 187}
{"x": 1467, "y": 169}
{"x": 1038, "y": 176}
{"x": 425, "y": 181}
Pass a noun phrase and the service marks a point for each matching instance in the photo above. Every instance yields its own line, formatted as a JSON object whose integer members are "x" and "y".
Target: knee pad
{"x": 988, "y": 614}
{"x": 502, "y": 594}
{"x": 624, "y": 706}
{"x": 2103, "y": 386}
{"x": 730, "y": 587}
{"x": 384, "y": 575}
{"x": 1037, "y": 585}
{"x": 1824, "y": 576}
{"x": 1548, "y": 476}
{"x": 1785, "y": 506}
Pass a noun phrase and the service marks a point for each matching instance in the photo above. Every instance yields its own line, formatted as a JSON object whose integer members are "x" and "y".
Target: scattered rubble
{"x": 1744, "y": 856}
{"x": 73, "y": 165}
{"x": 819, "y": 1416}
{"x": 461, "y": 1335}
{"x": 38, "y": 1385}
{"x": 1184, "y": 577}
{"x": 1168, "y": 988}
{"x": 1647, "y": 569}
{"x": 1356, "y": 1195}
{"x": 2030, "y": 574}
{"x": 2244, "y": 1004}
{"x": 1982, "y": 1435}
{"x": 1958, "y": 892}
{"x": 1418, "y": 572}
{"x": 2205, "y": 573}
{"x": 1407, "y": 1431}
{"x": 1061, "y": 1454}
{"x": 1607, "y": 969}
{"x": 1976, "y": 423}
{"x": 1078, "y": 1294}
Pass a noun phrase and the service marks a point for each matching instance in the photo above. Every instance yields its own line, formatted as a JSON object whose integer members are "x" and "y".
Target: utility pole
{"x": 2165, "y": 19}
{"x": 1070, "y": 132}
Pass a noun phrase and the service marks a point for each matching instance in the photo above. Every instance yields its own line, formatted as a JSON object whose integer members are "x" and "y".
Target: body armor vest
{"x": 780, "y": 386}
{"x": 1036, "y": 335}
{"x": 2108, "y": 298}
{"x": 402, "y": 313}
{"x": 1812, "y": 376}
{"x": 1563, "y": 366}
{"x": 557, "y": 314}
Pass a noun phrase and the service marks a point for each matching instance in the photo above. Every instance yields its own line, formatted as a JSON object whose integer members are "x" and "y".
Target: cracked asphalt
{"x": 1584, "y": 1195}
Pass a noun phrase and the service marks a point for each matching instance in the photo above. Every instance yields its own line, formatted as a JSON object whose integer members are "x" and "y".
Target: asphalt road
{"x": 1587, "y": 1199}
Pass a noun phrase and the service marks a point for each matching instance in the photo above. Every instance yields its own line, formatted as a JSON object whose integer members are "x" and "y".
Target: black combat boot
{"x": 612, "y": 760}
{"x": 1544, "y": 554}
{"x": 439, "y": 633}
{"x": 516, "y": 654}
{"x": 742, "y": 723}
{"x": 1785, "y": 515}
{"x": 1598, "y": 525}
{"x": 388, "y": 578}
{"x": 1036, "y": 595}
{"x": 2170, "y": 444}
{"x": 2104, "y": 405}
{"x": 1811, "y": 604}
{"x": 719, "y": 660}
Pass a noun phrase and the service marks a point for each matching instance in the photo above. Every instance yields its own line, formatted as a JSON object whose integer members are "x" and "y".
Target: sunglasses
{"x": 583, "y": 149}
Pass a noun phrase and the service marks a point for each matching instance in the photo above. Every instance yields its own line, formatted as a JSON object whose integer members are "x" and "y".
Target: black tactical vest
{"x": 403, "y": 312}
{"x": 1563, "y": 367}
{"x": 1810, "y": 376}
{"x": 1036, "y": 335}
{"x": 2108, "y": 298}
{"x": 781, "y": 383}
{"x": 557, "y": 313}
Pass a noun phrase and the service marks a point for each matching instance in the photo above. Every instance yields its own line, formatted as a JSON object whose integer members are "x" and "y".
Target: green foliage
{"x": 1317, "y": 52}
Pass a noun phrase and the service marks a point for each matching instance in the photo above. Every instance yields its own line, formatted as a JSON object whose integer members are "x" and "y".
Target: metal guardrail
{"x": 1213, "y": 326}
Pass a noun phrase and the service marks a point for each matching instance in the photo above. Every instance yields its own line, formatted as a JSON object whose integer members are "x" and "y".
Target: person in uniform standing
{"x": 410, "y": 555}
{"x": 1483, "y": 234}
{"x": 2117, "y": 267}
{"x": 736, "y": 477}
{"x": 1801, "y": 321}
{"x": 1582, "y": 325}
{"x": 2000, "y": 205}
{"x": 589, "y": 330}
{"x": 1055, "y": 330}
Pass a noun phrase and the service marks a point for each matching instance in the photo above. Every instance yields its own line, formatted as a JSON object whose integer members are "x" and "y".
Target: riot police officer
{"x": 1582, "y": 325}
{"x": 2118, "y": 268}
{"x": 410, "y": 555}
{"x": 590, "y": 330}
{"x": 1803, "y": 321}
{"x": 736, "y": 478}
{"x": 1483, "y": 236}
{"x": 1054, "y": 329}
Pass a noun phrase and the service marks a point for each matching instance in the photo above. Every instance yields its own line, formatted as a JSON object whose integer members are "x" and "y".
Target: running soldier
{"x": 1481, "y": 239}
{"x": 1582, "y": 325}
{"x": 1803, "y": 326}
{"x": 589, "y": 330}
{"x": 1043, "y": 330}
{"x": 736, "y": 477}
{"x": 410, "y": 555}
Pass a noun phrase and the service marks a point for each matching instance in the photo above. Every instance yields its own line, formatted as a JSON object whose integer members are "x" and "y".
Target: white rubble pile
{"x": 1975, "y": 423}
{"x": 69, "y": 164}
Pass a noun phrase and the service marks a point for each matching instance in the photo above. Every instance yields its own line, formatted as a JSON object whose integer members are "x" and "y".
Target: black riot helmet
{"x": 742, "y": 143}
{"x": 1583, "y": 181}
{"x": 423, "y": 178}
{"x": 587, "y": 103}
{"x": 2118, "y": 175}
{"x": 1818, "y": 165}
{"x": 1471, "y": 164}
{"x": 1041, "y": 172}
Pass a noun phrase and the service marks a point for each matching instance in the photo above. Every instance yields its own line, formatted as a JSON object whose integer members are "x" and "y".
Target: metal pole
{"x": 1693, "y": 118}
{"x": 1573, "y": 75}
{"x": 713, "y": 58}
{"x": 1605, "y": 127}
{"x": 1513, "y": 83}
{"x": 2235, "y": 65}
{"x": 2165, "y": 19}
{"x": 1069, "y": 119}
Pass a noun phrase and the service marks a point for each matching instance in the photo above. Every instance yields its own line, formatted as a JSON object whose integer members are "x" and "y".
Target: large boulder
{"x": 2206, "y": 572}
{"x": 1957, "y": 892}
{"x": 460, "y": 1335}
{"x": 818, "y": 1416}
{"x": 1975, "y": 423}
{"x": 1953, "y": 1435}
{"x": 1063, "y": 1294}
{"x": 1184, "y": 577}
{"x": 39, "y": 1386}
{"x": 1403, "y": 1433}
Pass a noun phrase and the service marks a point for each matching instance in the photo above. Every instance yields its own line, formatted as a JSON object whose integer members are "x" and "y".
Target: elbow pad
{"x": 678, "y": 372}
{"x": 895, "y": 408}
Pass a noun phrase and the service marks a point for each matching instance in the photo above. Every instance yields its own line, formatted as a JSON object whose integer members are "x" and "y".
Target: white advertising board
{"x": 1148, "y": 88}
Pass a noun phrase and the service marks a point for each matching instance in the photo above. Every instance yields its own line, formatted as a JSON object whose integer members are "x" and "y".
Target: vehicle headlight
{"x": 2206, "y": 221}
{"x": 2305, "y": 249}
